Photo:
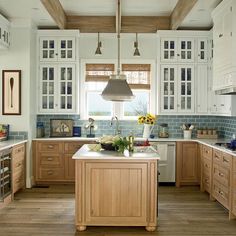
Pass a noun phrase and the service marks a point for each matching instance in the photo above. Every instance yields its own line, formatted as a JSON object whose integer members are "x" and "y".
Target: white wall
{"x": 147, "y": 46}
{"x": 21, "y": 56}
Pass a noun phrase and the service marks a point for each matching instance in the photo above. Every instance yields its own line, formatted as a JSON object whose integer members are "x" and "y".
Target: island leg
{"x": 81, "y": 227}
{"x": 150, "y": 228}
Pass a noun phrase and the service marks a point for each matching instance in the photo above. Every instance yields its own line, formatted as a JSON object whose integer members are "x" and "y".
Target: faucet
{"x": 118, "y": 129}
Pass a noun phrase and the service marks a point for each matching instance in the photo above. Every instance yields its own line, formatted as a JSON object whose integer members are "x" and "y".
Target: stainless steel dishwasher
{"x": 166, "y": 165}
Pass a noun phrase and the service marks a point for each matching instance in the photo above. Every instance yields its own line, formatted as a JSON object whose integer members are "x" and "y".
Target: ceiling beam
{"x": 56, "y": 11}
{"x": 144, "y": 24}
{"x": 129, "y": 24}
{"x": 181, "y": 10}
{"x": 92, "y": 24}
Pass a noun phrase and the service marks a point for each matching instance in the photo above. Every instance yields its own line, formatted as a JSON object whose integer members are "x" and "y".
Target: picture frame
{"x": 61, "y": 127}
{"x": 11, "y": 92}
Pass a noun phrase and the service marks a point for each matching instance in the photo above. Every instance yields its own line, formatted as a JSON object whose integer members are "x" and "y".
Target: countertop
{"x": 208, "y": 142}
{"x": 10, "y": 143}
{"x": 85, "y": 154}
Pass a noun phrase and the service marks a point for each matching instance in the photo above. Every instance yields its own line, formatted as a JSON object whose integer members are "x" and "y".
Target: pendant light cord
{"x": 118, "y": 37}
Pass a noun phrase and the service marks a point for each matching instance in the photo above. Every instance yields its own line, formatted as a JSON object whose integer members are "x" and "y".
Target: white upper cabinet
{"x": 224, "y": 30}
{"x": 202, "y": 50}
{"x": 177, "y": 50}
{"x": 57, "y": 49}
{"x": 4, "y": 33}
{"x": 177, "y": 93}
{"x": 57, "y": 72}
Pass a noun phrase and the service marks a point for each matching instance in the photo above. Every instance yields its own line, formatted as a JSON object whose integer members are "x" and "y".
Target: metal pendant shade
{"x": 117, "y": 88}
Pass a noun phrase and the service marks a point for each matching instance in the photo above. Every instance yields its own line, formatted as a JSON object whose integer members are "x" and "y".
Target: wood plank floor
{"x": 50, "y": 211}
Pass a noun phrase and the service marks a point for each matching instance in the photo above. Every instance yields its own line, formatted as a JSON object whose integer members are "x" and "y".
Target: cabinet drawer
{"x": 226, "y": 160}
{"x": 206, "y": 181}
{"x": 222, "y": 175}
{"x": 55, "y": 147}
{"x": 207, "y": 152}
{"x": 18, "y": 150}
{"x": 220, "y": 193}
{"x": 72, "y": 147}
{"x": 217, "y": 156}
{"x": 207, "y": 166}
{"x": 48, "y": 174}
{"x": 50, "y": 159}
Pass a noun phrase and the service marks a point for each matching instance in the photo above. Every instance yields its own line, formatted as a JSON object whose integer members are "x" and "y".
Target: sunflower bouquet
{"x": 147, "y": 119}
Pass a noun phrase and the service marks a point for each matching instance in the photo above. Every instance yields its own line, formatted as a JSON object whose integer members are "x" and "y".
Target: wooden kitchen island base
{"x": 114, "y": 190}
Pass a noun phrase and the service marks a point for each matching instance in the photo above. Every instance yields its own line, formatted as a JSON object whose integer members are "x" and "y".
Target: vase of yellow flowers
{"x": 148, "y": 122}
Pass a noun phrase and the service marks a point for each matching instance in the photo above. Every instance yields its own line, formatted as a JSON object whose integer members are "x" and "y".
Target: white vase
{"x": 147, "y": 129}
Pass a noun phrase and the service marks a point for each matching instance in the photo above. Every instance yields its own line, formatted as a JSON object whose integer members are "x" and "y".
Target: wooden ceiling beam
{"x": 129, "y": 24}
{"x": 181, "y": 10}
{"x": 56, "y": 11}
{"x": 144, "y": 24}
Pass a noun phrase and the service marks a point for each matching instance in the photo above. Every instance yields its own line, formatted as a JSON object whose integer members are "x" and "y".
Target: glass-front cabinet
{"x": 57, "y": 85}
{"x": 66, "y": 87}
{"x": 202, "y": 56}
{"x": 186, "y": 89}
{"x": 177, "y": 50}
{"x": 177, "y": 89}
{"x": 169, "y": 88}
{"x": 57, "y": 49}
{"x": 169, "y": 50}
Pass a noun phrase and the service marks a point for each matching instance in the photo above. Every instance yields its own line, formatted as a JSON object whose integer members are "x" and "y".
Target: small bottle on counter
{"x": 131, "y": 142}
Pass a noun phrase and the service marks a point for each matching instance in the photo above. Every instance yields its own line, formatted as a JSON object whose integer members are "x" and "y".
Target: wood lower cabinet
{"x": 233, "y": 187}
{"x": 116, "y": 193}
{"x": 53, "y": 160}
{"x": 18, "y": 167}
{"x": 187, "y": 163}
{"x": 206, "y": 169}
{"x": 221, "y": 174}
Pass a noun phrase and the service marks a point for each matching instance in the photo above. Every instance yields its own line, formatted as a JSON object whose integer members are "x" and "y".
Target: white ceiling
{"x": 34, "y": 10}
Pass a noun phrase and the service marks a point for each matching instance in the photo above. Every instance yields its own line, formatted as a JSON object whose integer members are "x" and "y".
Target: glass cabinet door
{"x": 47, "y": 88}
{"x": 48, "y": 49}
{"x": 186, "y": 50}
{"x": 202, "y": 50}
{"x": 168, "y": 50}
{"x": 66, "y": 49}
{"x": 186, "y": 89}
{"x": 168, "y": 88}
{"x": 66, "y": 87}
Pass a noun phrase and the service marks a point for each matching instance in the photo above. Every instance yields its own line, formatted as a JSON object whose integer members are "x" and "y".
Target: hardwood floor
{"x": 50, "y": 211}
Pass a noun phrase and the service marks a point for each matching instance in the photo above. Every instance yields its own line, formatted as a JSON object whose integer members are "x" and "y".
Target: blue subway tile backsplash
{"x": 226, "y": 126}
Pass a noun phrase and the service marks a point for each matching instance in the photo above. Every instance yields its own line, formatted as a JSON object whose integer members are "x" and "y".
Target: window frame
{"x": 117, "y": 107}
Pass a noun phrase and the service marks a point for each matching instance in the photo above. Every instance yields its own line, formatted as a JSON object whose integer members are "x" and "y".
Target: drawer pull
{"x": 50, "y": 146}
{"x": 221, "y": 193}
{"x": 50, "y": 172}
{"x": 206, "y": 165}
{"x": 221, "y": 174}
{"x": 217, "y": 157}
{"x": 49, "y": 158}
{"x": 225, "y": 160}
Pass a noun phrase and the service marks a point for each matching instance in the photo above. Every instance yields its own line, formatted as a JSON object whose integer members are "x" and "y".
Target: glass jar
{"x": 163, "y": 131}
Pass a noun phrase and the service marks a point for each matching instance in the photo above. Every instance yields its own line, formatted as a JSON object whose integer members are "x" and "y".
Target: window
{"x": 139, "y": 80}
{"x": 95, "y": 77}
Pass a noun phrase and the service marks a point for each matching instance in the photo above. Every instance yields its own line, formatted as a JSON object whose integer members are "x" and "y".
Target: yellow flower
{"x": 147, "y": 119}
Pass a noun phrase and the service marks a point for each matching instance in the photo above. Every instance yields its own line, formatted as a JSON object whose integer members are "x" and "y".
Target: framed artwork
{"x": 61, "y": 128}
{"x": 11, "y": 92}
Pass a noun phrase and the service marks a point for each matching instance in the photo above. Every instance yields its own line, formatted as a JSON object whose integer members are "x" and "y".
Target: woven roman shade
{"x": 99, "y": 72}
{"x": 138, "y": 75}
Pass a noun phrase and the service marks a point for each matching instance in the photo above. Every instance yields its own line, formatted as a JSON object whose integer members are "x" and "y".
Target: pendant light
{"x": 98, "y": 50}
{"x": 136, "y": 51}
{"x": 117, "y": 88}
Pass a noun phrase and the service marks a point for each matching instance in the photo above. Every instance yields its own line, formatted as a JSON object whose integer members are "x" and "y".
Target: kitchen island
{"x": 113, "y": 190}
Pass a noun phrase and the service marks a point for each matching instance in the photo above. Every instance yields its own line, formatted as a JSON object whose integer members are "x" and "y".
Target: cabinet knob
{"x": 220, "y": 35}
{"x": 221, "y": 174}
{"x": 178, "y": 54}
{"x": 50, "y": 172}
{"x": 50, "y": 146}
{"x": 49, "y": 158}
{"x": 225, "y": 160}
